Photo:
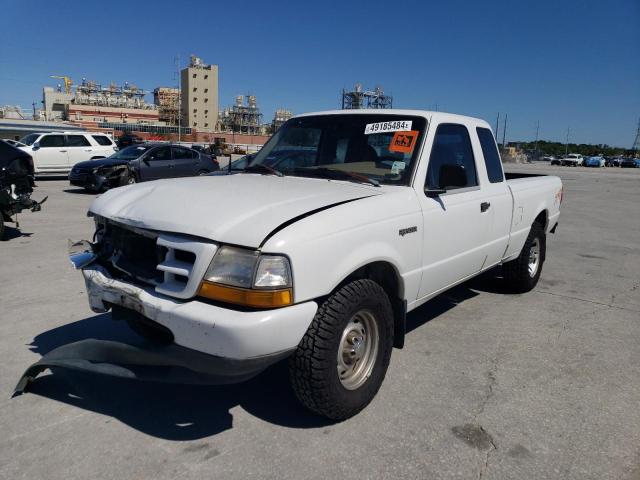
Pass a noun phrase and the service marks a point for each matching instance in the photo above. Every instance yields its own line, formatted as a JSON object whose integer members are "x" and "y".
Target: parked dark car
{"x": 630, "y": 163}
{"x": 128, "y": 139}
{"x": 141, "y": 163}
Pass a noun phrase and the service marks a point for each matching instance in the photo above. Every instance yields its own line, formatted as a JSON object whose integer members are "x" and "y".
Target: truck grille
{"x": 173, "y": 264}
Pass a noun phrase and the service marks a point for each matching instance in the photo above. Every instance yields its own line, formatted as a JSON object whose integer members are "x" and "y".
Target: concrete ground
{"x": 489, "y": 385}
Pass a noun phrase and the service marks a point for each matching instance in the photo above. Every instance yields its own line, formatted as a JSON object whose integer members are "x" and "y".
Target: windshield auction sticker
{"x": 382, "y": 127}
{"x": 403, "y": 142}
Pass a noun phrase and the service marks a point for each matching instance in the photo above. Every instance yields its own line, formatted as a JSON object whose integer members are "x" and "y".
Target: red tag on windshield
{"x": 404, "y": 142}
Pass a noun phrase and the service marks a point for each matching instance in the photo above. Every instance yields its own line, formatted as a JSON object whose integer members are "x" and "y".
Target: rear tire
{"x": 521, "y": 275}
{"x": 203, "y": 172}
{"x": 341, "y": 361}
{"x": 1, "y": 227}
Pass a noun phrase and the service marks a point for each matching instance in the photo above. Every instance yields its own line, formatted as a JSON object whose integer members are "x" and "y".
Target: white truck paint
{"x": 416, "y": 242}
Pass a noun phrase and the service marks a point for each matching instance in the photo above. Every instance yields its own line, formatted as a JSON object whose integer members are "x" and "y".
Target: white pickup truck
{"x": 343, "y": 223}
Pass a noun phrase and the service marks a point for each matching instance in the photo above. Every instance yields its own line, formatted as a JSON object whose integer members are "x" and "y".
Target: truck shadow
{"x": 186, "y": 412}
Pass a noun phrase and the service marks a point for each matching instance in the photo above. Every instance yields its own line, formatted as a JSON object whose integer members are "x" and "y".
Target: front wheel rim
{"x": 131, "y": 180}
{"x": 534, "y": 258}
{"x": 358, "y": 350}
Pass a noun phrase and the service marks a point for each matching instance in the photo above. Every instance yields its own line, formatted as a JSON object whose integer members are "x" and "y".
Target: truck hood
{"x": 238, "y": 209}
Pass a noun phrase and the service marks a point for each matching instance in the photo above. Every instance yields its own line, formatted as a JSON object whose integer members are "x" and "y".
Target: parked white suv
{"x": 57, "y": 152}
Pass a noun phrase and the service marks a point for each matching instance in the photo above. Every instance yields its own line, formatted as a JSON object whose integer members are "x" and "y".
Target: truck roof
{"x": 428, "y": 114}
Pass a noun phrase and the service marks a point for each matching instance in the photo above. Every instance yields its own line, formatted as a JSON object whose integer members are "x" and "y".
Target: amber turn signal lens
{"x": 249, "y": 298}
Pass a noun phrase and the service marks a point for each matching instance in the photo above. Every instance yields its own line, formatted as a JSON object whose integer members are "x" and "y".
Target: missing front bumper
{"x": 170, "y": 363}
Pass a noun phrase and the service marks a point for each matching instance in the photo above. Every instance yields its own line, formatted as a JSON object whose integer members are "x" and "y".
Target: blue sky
{"x": 561, "y": 62}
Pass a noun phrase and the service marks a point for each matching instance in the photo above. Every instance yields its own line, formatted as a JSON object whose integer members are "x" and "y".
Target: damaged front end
{"x": 16, "y": 185}
{"x": 102, "y": 177}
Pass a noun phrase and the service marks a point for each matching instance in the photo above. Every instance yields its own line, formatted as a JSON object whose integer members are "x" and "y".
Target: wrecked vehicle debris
{"x": 139, "y": 163}
{"x": 16, "y": 185}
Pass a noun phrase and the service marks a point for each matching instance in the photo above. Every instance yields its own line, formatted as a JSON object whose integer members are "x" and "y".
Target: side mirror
{"x": 434, "y": 192}
{"x": 36, "y": 146}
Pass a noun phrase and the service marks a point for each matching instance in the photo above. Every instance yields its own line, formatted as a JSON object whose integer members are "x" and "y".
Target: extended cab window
{"x": 379, "y": 147}
{"x": 491, "y": 155}
{"x": 77, "y": 141}
{"x": 52, "y": 141}
{"x": 451, "y": 163}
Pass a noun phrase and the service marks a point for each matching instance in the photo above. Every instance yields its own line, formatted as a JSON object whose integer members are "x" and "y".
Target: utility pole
{"x": 566, "y": 148}
{"x": 537, "y": 132}
{"x": 497, "y": 125}
{"x": 636, "y": 143}
{"x": 33, "y": 104}
{"x": 504, "y": 130}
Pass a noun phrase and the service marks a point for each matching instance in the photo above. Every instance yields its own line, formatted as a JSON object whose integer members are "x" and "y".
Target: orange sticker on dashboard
{"x": 404, "y": 142}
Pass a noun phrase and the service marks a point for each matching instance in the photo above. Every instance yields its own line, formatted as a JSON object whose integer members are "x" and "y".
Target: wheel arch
{"x": 387, "y": 275}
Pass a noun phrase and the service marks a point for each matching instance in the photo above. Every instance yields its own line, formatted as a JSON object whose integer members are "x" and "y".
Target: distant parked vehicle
{"x": 615, "y": 162}
{"x": 572, "y": 160}
{"x": 594, "y": 162}
{"x": 57, "y": 152}
{"x": 141, "y": 163}
{"x": 548, "y": 158}
{"x": 630, "y": 163}
{"x": 556, "y": 161}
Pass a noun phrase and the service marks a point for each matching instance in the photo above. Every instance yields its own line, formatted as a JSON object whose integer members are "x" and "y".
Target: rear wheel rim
{"x": 131, "y": 180}
{"x": 358, "y": 350}
{"x": 534, "y": 257}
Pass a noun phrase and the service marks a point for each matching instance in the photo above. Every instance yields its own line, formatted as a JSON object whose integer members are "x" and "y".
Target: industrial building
{"x": 167, "y": 100}
{"x": 189, "y": 113}
{"x": 279, "y": 117}
{"x": 199, "y": 102}
{"x": 243, "y": 118}
{"x": 359, "y": 98}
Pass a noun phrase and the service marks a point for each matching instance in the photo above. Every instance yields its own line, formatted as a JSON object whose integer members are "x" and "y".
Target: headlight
{"x": 242, "y": 276}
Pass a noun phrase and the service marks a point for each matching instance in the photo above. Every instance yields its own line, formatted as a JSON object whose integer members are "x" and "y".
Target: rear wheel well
{"x": 385, "y": 275}
{"x": 542, "y": 219}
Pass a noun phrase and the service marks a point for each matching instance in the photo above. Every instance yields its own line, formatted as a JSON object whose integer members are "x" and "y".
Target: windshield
{"x": 29, "y": 139}
{"x": 380, "y": 147}
{"x": 131, "y": 153}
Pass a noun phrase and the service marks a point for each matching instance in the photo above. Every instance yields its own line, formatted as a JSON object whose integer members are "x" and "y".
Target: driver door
{"x": 156, "y": 164}
{"x": 455, "y": 225}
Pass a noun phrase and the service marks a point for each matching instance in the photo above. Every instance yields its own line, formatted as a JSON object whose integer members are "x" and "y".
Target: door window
{"x": 161, "y": 153}
{"x": 77, "y": 141}
{"x": 102, "y": 140}
{"x": 491, "y": 155}
{"x": 52, "y": 141}
{"x": 451, "y": 163}
{"x": 179, "y": 152}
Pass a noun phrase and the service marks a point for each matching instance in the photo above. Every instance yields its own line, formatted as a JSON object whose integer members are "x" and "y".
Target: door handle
{"x": 88, "y": 150}
{"x": 63, "y": 151}
{"x": 484, "y": 206}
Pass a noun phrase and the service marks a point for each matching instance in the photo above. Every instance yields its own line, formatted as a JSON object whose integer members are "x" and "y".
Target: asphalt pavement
{"x": 490, "y": 385}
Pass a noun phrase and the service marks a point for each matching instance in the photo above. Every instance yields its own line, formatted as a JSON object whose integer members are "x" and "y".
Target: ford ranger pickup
{"x": 316, "y": 251}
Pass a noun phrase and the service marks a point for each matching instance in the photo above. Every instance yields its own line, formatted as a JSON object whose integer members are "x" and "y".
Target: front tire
{"x": 342, "y": 360}
{"x": 521, "y": 275}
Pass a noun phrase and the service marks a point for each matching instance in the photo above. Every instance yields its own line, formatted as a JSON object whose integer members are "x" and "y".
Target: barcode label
{"x": 381, "y": 127}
